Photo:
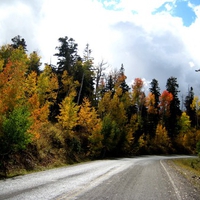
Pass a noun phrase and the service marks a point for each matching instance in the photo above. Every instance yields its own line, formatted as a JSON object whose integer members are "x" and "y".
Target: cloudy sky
{"x": 158, "y": 39}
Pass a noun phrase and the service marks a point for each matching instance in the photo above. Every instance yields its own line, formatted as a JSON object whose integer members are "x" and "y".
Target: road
{"x": 141, "y": 178}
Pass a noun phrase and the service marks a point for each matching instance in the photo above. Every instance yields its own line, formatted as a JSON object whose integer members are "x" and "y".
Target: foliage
{"x": 14, "y": 132}
{"x": 195, "y": 106}
{"x": 162, "y": 140}
{"x": 111, "y": 135}
{"x": 57, "y": 112}
{"x": 155, "y": 90}
{"x": 175, "y": 112}
{"x": 47, "y": 86}
{"x": 191, "y": 112}
{"x": 90, "y": 128}
{"x": 198, "y": 148}
{"x": 19, "y": 42}
{"x": 165, "y": 100}
{"x": 184, "y": 123}
{"x": 137, "y": 92}
{"x": 67, "y": 54}
{"x": 34, "y": 62}
{"x": 150, "y": 104}
{"x": 68, "y": 118}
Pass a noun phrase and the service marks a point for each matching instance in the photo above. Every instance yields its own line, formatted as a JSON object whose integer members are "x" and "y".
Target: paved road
{"x": 142, "y": 178}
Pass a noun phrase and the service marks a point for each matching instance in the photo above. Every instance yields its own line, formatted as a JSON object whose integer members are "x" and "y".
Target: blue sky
{"x": 180, "y": 8}
{"x": 152, "y": 38}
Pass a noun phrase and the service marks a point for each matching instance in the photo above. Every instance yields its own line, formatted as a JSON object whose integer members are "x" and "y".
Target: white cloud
{"x": 191, "y": 64}
{"x": 150, "y": 46}
{"x": 110, "y": 3}
{"x": 141, "y": 6}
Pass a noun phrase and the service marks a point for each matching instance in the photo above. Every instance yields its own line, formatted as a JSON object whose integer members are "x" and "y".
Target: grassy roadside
{"x": 190, "y": 169}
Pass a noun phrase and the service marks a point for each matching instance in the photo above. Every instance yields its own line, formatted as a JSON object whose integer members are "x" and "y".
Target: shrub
{"x": 198, "y": 148}
{"x": 14, "y": 135}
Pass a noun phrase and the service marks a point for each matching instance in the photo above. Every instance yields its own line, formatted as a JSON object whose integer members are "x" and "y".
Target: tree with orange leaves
{"x": 137, "y": 93}
{"x": 165, "y": 100}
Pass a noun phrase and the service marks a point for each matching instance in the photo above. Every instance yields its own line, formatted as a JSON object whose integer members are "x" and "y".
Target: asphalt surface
{"x": 141, "y": 178}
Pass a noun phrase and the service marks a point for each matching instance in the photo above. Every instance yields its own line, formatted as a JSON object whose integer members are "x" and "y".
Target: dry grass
{"x": 190, "y": 168}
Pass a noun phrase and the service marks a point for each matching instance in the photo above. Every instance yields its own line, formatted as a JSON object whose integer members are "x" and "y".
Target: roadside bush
{"x": 198, "y": 148}
{"x": 14, "y": 135}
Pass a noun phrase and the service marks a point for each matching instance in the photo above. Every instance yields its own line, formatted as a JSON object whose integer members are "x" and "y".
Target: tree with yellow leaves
{"x": 115, "y": 127}
{"x": 47, "y": 86}
{"x": 90, "y": 128}
{"x": 68, "y": 117}
{"x": 161, "y": 141}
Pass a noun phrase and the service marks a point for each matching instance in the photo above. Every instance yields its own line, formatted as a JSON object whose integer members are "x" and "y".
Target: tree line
{"x": 75, "y": 110}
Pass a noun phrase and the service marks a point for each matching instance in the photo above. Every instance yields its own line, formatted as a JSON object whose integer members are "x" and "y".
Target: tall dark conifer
{"x": 175, "y": 112}
{"x": 155, "y": 90}
{"x": 153, "y": 118}
{"x": 18, "y": 41}
{"x": 190, "y": 112}
{"x": 122, "y": 80}
{"x": 67, "y": 54}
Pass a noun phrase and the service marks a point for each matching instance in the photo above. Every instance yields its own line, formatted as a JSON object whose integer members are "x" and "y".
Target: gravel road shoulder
{"x": 183, "y": 180}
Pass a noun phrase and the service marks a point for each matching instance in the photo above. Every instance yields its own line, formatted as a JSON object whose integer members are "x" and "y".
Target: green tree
{"x": 175, "y": 112}
{"x": 198, "y": 148}
{"x": 18, "y": 41}
{"x": 84, "y": 74}
{"x": 121, "y": 80}
{"x": 195, "y": 106}
{"x": 184, "y": 123}
{"x": 67, "y": 54}
{"x": 9, "y": 54}
{"x": 14, "y": 134}
{"x": 112, "y": 109}
{"x": 110, "y": 83}
{"x": 190, "y": 112}
{"x": 34, "y": 63}
{"x": 111, "y": 136}
{"x": 153, "y": 109}
{"x": 5, "y": 53}
{"x": 155, "y": 90}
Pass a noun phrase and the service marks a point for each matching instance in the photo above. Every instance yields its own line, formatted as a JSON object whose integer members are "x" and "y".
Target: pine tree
{"x": 190, "y": 112}
{"x": 67, "y": 54}
{"x": 18, "y": 41}
{"x": 152, "y": 101}
{"x": 175, "y": 112}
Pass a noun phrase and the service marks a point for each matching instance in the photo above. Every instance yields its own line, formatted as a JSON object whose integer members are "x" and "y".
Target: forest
{"x": 74, "y": 111}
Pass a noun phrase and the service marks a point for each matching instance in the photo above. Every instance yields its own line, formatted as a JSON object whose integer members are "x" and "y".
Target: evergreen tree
{"x": 175, "y": 112}
{"x": 18, "y": 41}
{"x": 122, "y": 80}
{"x": 110, "y": 84}
{"x": 189, "y": 111}
{"x": 154, "y": 89}
{"x": 84, "y": 74}
{"x": 67, "y": 54}
{"x": 153, "y": 114}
